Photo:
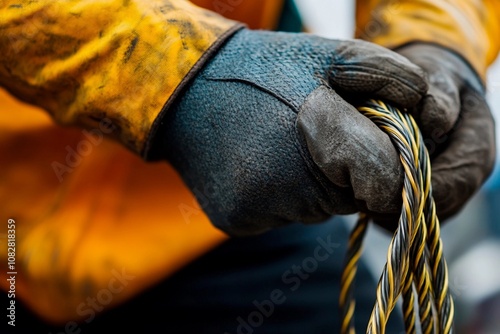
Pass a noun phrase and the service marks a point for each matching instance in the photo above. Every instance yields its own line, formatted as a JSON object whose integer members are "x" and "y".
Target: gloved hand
{"x": 240, "y": 135}
{"x": 457, "y": 124}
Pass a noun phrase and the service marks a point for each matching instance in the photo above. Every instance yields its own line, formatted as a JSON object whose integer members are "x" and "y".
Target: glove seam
{"x": 259, "y": 87}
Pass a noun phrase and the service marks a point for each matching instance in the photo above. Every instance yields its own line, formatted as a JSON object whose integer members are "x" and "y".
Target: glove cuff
{"x": 451, "y": 52}
{"x": 153, "y": 147}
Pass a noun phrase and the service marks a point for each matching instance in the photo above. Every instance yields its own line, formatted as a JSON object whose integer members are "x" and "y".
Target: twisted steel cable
{"x": 415, "y": 267}
{"x": 353, "y": 253}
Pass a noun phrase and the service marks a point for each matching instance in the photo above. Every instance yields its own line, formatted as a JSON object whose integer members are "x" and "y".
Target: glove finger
{"x": 460, "y": 170}
{"x": 371, "y": 70}
{"x": 447, "y": 74}
{"x": 440, "y": 108}
{"x": 352, "y": 152}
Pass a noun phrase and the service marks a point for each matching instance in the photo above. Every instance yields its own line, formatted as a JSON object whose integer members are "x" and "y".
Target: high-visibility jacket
{"x": 92, "y": 218}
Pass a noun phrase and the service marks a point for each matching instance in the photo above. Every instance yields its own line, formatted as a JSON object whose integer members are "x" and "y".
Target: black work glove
{"x": 240, "y": 134}
{"x": 457, "y": 125}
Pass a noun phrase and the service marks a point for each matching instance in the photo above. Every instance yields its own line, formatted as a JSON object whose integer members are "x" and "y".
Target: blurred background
{"x": 472, "y": 239}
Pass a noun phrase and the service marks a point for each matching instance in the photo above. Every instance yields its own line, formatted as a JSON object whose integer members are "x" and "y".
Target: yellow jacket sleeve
{"x": 471, "y": 28}
{"x": 123, "y": 61}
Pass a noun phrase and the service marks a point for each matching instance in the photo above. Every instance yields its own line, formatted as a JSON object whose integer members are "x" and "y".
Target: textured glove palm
{"x": 244, "y": 134}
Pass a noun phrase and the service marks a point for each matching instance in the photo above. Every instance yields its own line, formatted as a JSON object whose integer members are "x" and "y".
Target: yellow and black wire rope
{"x": 415, "y": 266}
